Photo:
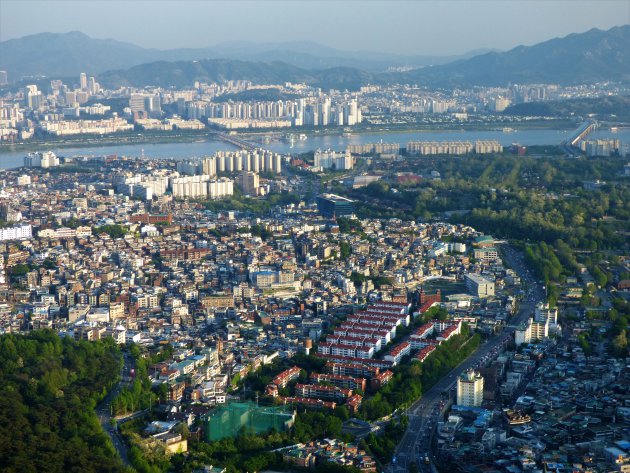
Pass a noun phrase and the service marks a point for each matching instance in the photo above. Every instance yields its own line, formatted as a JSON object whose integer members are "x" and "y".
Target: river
{"x": 13, "y": 159}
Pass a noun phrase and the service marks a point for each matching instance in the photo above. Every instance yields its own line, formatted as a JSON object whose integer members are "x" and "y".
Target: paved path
{"x": 104, "y": 410}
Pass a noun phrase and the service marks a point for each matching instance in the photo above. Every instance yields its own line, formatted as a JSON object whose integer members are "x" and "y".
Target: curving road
{"x": 104, "y": 410}
{"x": 425, "y": 412}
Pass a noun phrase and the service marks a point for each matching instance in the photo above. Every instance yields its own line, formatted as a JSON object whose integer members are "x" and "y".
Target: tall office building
{"x": 152, "y": 105}
{"x": 83, "y": 81}
{"x": 137, "y": 102}
{"x": 333, "y": 206}
{"x": 4, "y": 78}
{"x": 470, "y": 389}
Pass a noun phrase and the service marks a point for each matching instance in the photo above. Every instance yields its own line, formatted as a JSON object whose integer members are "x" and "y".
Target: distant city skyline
{"x": 404, "y": 27}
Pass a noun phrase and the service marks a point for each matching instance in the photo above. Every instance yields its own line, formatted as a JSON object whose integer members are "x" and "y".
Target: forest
{"x": 49, "y": 387}
{"x": 513, "y": 197}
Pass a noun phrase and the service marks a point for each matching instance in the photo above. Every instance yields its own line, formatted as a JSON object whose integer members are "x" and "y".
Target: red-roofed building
{"x": 282, "y": 379}
{"x": 383, "y": 364}
{"x": 424, "y": 353}
{"x": 312, "y": 403}
{"x": 397, "y": 353}
{"x": 339, "y": 380}
{"x": 360, "y": 370}
{"x": 320, "y": 391}
{"x": 381, "y": 379}
{"x": 448, "y": 333}
{"x": 354, "y": 402}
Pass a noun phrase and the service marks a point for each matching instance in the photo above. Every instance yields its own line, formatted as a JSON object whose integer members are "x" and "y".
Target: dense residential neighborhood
{"x": 242, "y": 324}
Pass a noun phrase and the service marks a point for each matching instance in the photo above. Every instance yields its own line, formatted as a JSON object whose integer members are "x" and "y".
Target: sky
{"x": 442, "y": 27}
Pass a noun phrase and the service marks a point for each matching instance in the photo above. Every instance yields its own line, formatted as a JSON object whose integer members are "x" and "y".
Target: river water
{"x": 13, "y": 159}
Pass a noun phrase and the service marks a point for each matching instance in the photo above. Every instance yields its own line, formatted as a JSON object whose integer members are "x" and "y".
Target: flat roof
{"x": 336, "y": 198}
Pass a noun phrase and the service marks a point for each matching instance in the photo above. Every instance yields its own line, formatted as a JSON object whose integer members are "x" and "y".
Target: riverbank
{"x": 197, "y": 145}
{"x": 164, "y": 137}
{"x": 560, "y": 125}
{"x": 89, "y": 141}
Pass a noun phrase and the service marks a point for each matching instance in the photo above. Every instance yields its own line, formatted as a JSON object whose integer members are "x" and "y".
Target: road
{"x": 426, "y": 412}
{"x": 104, "y": 410}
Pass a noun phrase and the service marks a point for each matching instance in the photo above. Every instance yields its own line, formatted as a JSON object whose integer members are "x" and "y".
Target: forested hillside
{"x": 49, "y": 387}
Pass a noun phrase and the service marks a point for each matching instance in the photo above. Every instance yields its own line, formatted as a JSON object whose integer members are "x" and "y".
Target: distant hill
{"x": 609, "y": 108}
{"x": 588, "y": 57}
{"x": 67, "y": 54}
{"x": 312, "y": 55}
{"x": 185, "y": 73}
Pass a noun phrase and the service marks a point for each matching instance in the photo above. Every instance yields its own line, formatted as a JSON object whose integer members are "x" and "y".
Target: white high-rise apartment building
{"x": 47, "y": 159}
{"x": 201, "y": 187}
{"x": 248, "y": 181}
{"x": 531, "y": 331}
{"x": 470, "y": 389}
{"x": 329, "y": 159}
{"x": 545, "y": 313}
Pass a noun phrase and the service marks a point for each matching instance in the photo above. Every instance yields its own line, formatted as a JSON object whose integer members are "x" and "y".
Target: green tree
{"x": 620, "y": 344}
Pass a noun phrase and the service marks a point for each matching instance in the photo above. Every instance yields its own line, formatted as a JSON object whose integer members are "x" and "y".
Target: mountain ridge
{"x": 68, "y": 54}
{"x": 588, "y": 57}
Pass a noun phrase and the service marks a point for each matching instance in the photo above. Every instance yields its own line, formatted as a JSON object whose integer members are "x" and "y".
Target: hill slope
{"x": 587, "y": 57}
{"x": 68, "y": 54}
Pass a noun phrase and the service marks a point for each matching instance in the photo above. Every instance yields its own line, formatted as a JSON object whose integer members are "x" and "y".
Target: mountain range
{"x": 68, "y": 54}
{"x": 588, "y": 57}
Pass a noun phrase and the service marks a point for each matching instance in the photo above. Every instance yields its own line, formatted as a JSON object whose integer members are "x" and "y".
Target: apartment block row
{"x": 258, "y": 160}
{"x": 425, "y": 148}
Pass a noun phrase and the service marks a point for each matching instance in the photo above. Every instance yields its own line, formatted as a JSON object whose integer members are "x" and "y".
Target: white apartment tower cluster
{"x": 258, "y": 160}
{"x": 311, "y": 111}
{"x": 329, "y": 159}
{"x": 202, "y": 187}
{"x": 47, "y": 159}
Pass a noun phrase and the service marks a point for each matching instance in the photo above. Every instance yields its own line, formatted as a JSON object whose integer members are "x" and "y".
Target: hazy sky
{"x": 414, "y": 26}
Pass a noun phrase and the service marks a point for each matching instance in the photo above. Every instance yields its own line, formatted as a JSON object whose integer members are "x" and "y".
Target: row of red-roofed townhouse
{"x": 352, "y": 351}
{"x": 312, "y": 403}
{"x": 322, "y": 391}
{"x": 378, "y": 319}
{"x": 282, "y": 379}
{"x": 402, "y": 308}
{"x": 359, "y": 370}
{"x": 358, "y": 340}
{"x": 350, "y": 329}
{"x": 396, "y": 353}
{"x": 418, "y": 340}
{"x": 339, "y": 380}
{"x": 382, "y": 364}
{"x": 378, "y": 377}
{"x": 424, "y": 353}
